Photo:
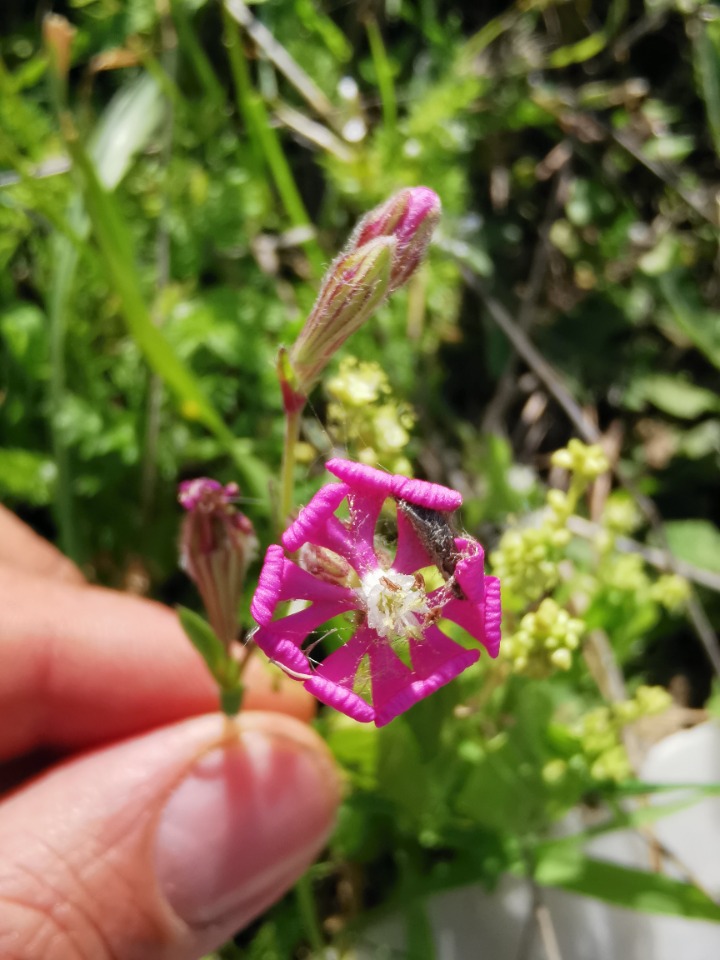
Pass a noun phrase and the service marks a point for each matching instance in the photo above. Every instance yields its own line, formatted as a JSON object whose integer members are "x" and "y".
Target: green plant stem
{"x": 65, "y": 262}
{"x": 383, "y": 72}
{"x": 308, "y": 914}
{"x": 162, "y": 248}
{"x": 287, "y": 475}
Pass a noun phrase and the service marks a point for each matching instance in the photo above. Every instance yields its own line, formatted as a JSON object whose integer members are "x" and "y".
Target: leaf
{"x": 204, "y": 639}
{"x": 579, "y": 52}
{"x": 673, "y": 395}
{"x": 115, "y": 245}
{"x": 642, "y": 816}
{"x": 706, "y": 60}
{"x": 700, "y": 325}
{"x": 696, "y": 541}
{"x": 634, "y": 788}
{"x": 27, "y": 475}
{"x": 569, "y": 869}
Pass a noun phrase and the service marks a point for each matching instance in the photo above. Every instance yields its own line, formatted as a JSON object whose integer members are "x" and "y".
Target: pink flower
{"x": 398, "y": 654}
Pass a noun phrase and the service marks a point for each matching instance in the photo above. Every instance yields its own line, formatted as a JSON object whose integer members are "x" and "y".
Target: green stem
{"x": 383, "y": 73}
{"x": 308, "y": 914}
{"x": 287, "y": 476}
{"x": 65, "y": 260}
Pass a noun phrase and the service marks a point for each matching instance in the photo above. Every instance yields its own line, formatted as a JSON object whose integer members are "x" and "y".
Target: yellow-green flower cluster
{"x": 621, "y": 514}
{"x": 525, "y": 563}
{"x": 526, "y": 559}
{"x": 625, "y": 573}
{"x": 585, "y": 461}
{"x": 600, "y": 731}
{"x": 671, "y": 591}
{"x": 363, "y": 416}
{"x": 544, "y": 642}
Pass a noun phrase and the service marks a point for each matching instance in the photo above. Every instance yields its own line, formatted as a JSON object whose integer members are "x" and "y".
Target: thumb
{"x": 165, "y": 845}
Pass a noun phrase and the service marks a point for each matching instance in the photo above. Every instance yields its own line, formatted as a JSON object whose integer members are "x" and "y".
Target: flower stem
{"x": 287, "y": 478}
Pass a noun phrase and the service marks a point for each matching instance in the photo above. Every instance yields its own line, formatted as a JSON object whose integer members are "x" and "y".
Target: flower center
{"x": 395, "y": 603}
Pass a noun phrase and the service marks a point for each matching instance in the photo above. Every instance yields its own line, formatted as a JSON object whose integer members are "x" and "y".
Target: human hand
{"x": 135, "y": 823}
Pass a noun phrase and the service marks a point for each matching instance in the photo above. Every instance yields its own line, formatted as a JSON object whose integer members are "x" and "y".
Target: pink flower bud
{"x": 409, "y": 216}
{"x": 217, "y": 543}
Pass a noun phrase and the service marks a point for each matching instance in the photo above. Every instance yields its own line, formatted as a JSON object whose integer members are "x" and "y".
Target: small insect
{"x": 436, "y": 535}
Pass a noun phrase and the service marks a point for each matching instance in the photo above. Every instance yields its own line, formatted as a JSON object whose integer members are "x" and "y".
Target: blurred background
{"x": 175, "y": 176}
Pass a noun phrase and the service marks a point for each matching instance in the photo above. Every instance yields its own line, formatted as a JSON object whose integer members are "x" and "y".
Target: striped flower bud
{"x": 354, "y": 286}
{"x": 385, "y": 248}
{"x": 409, "y": 216}
{"x": 217, "y": 543}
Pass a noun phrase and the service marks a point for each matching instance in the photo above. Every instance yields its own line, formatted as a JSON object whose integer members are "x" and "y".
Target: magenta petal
{"x": 275, "y": 645}
{"x": 433, "y": 670}
{"x": 363, "y": 478}
{"x": 436, "y": 653}
{"x": 298, "y": 584}
{"x": 296, "y": 626}
{"x": 336, "y": 536}
{"x": 269, "y": 585}
{"x": 364, "y": 512}
{"x": 470, "y": 572}
{"x": 390, "y": 676}
{"x": 493, "y": 615}
{"x": 345, "y": 701}
{"x": 469, "y": 616}
{"x": 312, "y": 517}
{"x": 334, "y": 679}
{"x": 411, "y": 554}
{"x": 426, "y": 494}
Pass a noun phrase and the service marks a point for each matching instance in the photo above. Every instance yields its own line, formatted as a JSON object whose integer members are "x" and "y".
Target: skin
{"x": 135, "y": 822}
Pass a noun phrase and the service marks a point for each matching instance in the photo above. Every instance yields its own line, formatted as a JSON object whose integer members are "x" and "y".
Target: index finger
{"x": 82, "y": 665}
{"x": 23, "y": 549}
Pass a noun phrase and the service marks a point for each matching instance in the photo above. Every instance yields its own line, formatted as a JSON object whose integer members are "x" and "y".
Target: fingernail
{"x": 244, "y": 824}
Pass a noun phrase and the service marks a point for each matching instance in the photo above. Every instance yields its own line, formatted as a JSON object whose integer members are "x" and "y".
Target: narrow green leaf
{"x": 569, "y": 869}
{"x": 204, "y": 639}
{"x": 634, "y": 788}
{"x": 700, "y": 326}
{"x": 115, "y": 245}
{"x": 641, "y": 817}
{"x": 579, "y": 52}
{"x": 383, "y": 75}
{"x": 706, "y": 60}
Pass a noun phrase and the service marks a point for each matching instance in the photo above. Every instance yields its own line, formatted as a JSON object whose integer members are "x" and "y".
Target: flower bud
{"x": 354, "y": 286}
{"x": 409, "y": 216}
{"x": 326, "y": 565}
{"x": 385, "y": 248}
{"x": 217, "y": 543}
